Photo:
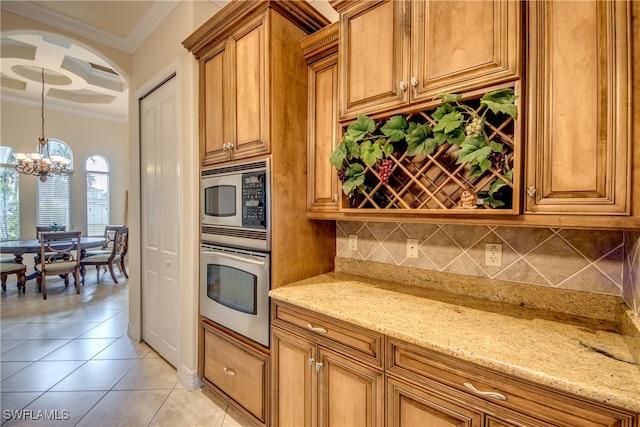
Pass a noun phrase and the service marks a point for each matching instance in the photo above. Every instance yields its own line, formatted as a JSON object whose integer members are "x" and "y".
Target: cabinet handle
{"x": 318, "y": 330}
{"x": 229, "y": 372}
{"x": 403, "y": 85}
{"x": 531, "y": 191}
{"x": 311, "y": 361}
{"x": 485, "y": 393}
{"x": 414, "y": 81}
{"x": 318, "y": 367}
{"x": 336, "y": 197}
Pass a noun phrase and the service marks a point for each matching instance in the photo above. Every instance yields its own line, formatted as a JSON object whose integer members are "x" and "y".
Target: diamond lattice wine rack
{"x": 459, "y": 157}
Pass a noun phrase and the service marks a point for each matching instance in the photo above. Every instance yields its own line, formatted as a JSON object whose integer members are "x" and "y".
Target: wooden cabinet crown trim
{"x": 237, "y": 13}
{"x": 321, "y": 43}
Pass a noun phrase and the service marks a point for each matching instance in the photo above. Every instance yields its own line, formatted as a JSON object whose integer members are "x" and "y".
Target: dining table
{"x": 20, "y": 247}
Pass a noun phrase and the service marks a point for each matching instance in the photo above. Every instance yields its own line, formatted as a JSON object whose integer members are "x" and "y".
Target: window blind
{"x": 54, "y": 201}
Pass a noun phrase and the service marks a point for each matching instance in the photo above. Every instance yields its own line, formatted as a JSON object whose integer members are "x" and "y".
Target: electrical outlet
{"x": 493, "y": 254}
{"x": 412, "y": 248}
{"x": 353, "y": 242}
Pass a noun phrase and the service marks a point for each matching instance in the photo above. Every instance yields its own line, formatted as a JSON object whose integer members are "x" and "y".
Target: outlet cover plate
{"x": 412, "y": 248}
{"x": 353, "y": 242}
{"x": 493, "y": 255}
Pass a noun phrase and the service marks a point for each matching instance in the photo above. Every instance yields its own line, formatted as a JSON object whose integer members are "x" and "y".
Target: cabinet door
{"x": 322, "y": 180}
{"x": 373, "y": 60}
{"x": 349, "y": 393}
{"x": 216, "y": 120}
{"x": 294, "y": 380}
{"x": 577, "y": 141}
{"x": 458, "y": 46}
{"x": 411, "y": 406}
{"x": 249, "y": 101}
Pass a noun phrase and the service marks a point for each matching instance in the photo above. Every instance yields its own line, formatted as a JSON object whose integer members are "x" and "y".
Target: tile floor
{"x": 67, "y": 361}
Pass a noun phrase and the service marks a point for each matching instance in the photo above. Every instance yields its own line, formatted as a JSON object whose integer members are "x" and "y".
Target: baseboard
{"x": 189, "y": 378}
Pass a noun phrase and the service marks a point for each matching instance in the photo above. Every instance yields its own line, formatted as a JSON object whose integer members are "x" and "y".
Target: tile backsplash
{"x": 606, "y": 262}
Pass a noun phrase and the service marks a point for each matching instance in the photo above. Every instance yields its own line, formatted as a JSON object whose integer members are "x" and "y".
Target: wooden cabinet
{"x": 408, "y": 405}
{"x": 397, "y": 53}
{"x": 578, "y": 112}
{"x": 325, "y": 372}
{"x": 233, "y": 79}
{"x": 321, "y": 52}
{"x": 252, "y": 84}
{"x": 466, "y": 394}
{"x": 237, "y": 370}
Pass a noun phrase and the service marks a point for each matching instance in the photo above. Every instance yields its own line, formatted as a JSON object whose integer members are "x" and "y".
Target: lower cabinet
{"x": 315, "y": 385}
{"x": 237, "y": 371}
{"x": 424, "y": 386}
{"x": 412, "y": 406}
{"x": 327, "y": 372}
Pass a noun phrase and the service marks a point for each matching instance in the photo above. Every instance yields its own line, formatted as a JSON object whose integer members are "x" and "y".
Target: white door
{"x": 160, "y": 219}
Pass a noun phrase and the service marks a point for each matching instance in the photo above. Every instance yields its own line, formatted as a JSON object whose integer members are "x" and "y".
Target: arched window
{"x": 97, "y": 195}
{"x": 9, "y": 195}
{"x": 54, "y": 195}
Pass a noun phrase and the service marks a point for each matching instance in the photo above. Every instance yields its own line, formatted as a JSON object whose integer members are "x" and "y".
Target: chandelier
{"x": 40, "y": 163}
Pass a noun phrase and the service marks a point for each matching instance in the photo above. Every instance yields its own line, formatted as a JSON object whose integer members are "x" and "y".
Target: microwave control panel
{"x": 254, "y": 197}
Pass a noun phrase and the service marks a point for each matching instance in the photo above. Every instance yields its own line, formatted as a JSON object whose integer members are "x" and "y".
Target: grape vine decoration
{"x": 454, "y": 123}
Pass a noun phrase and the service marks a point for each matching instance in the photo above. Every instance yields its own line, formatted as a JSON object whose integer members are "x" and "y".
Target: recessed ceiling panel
{"x": 10, "y": 83}
{"x": 10, "y": 48}
{"x": 82, "y": 96}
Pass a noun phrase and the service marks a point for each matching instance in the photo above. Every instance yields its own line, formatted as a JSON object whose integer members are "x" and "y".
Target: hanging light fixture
{"x": 40, "y": 163}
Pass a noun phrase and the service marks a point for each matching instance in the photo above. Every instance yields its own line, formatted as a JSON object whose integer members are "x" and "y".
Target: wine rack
{"x": 436, "y": 181}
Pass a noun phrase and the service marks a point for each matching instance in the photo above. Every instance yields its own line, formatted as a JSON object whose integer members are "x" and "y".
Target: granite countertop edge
{"x": 317, "y": 293}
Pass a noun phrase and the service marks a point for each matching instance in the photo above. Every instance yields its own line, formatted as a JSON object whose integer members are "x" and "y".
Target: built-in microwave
{"x": 234, "y": 205}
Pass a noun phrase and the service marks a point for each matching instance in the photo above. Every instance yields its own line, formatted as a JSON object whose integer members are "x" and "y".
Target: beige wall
{"x": 85, "y": 136}
{"x": 596, "y": 261}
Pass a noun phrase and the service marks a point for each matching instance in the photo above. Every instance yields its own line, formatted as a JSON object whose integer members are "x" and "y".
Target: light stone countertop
{"x": 583, "y": 356}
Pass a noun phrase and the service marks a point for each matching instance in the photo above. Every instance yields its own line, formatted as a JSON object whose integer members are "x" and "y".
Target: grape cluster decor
{"x": 370, "y": 150}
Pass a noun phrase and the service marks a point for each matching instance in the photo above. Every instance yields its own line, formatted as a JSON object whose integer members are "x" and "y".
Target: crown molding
{"x": 158, "y": 11}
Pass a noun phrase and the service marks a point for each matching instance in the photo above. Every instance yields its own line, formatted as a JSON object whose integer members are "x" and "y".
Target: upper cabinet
{"x": 321, "y": 51}
{"x": 234, "y": 102}
{"x": 578, "y": 138}
{"x": 249, "y": 57}
{"x": 399, "y": 53}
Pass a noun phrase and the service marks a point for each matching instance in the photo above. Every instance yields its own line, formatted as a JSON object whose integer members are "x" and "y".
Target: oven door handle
{"x": 236, "y": 257}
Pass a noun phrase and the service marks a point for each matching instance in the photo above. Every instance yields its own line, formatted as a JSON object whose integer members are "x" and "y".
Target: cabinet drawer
{"x": 360, "y": 343}
{"x": 237, "y": 372}
{"x": 497, "y": 394}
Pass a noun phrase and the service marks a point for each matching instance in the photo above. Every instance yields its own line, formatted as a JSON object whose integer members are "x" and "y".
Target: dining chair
{"x": 44, "y": 228}
{"x": 7, "y": 258}
{"x": 109, "y": 237}
{"x": 115, "y": 256}
{"x": 60, "y": 256}
{"x": 7, "y": 268}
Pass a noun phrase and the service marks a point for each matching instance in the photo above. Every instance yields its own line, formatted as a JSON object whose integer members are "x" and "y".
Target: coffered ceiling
{"x": 76, "y": 79}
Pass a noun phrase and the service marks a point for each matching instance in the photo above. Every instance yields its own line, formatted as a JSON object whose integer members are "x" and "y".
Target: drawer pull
{"x": 314, "y": 329}
{"x": 229, "y": 372}
{"x": 485, "y": 393}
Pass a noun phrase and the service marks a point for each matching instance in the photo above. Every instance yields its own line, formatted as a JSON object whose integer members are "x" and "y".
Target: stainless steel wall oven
{"x": 235, "y": 271}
